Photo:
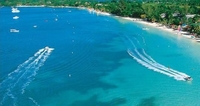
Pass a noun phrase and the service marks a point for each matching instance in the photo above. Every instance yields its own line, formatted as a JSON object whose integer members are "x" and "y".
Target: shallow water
{"x": 97, "y": 60}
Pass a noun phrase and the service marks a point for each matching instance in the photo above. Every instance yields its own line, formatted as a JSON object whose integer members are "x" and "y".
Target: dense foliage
{"x": 166, "y": 12}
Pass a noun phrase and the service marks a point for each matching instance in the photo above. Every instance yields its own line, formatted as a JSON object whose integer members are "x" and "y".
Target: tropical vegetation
{"x": 167, "y": 12}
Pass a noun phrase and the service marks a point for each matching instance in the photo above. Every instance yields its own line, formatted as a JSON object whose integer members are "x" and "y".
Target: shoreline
{"x": 161, "y": 27}
{"x": 155, "y": 25}
{"x": 137, "y": 20}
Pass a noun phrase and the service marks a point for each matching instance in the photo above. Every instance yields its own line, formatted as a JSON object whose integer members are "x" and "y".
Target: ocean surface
{"x": 73, "y": 57}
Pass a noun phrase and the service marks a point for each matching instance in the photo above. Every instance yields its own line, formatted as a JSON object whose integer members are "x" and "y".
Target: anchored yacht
{"x": 15, "y": 10}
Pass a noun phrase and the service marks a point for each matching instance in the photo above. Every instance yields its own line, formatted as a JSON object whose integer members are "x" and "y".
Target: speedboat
{"x": 15, "y": 10}
{"x": 188, "y": 78}
{"x": 47, "y": 48}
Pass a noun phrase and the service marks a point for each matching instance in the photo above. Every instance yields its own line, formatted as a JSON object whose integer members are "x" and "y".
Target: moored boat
{"x": 15, "y": 17}
{"x": 15, "y": 10}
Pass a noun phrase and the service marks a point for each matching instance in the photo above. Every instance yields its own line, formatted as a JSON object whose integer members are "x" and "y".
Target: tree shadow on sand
{"x": 93, "y": 101}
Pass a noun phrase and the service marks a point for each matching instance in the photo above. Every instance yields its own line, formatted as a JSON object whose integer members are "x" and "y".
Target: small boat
{"x": 14, "y": 30}
{"x": 188, "y": 78}
{"x": 145, "y": 28}
{"x": 46, "y": 47}
{"x": 15, "y": 10}
{"x": 15, "y": 17}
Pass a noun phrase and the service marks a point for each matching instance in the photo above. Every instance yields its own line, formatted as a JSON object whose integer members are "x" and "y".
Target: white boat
{"x": 15, "y": 10}
{"x": 14, "y": 30}
{"x": 46, "y": 47}
{"x": 15, "y": 17}
{"x": 145, "y": 28}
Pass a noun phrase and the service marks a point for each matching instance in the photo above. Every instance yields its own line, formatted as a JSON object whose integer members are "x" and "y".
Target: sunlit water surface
{"x": 71, "y": 57}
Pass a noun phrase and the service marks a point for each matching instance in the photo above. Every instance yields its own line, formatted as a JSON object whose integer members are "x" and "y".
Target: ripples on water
{"x": 17, "y": 81}
{"x": 89, "y": 66}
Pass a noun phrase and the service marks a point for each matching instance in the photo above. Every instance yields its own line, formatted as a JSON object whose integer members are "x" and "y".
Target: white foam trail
{"x": 30, "y": 66}
{"x": 12, "y": 77}
{"x": 154, "y": 68}
{"x": 37, "y": 53}
{"x": 177, "y": 75}
{"x": 164, "y": 67}
{"x": 155, "y": 63}
{"x": 20, "y": 78}
{"x": 150, "y": 63}
{"x": 42, "y": 59}
{"x": 147, "y": 65}
{"x": 148, "y": 56}
{"x": 143, "y": 39}
{"x": 25, "y": 63}
{"x": 36, "y": 104}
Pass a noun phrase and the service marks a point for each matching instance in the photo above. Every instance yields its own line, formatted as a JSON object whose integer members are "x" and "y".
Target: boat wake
{"x": 17, "y": 81}
{"x": 138, "y": 53}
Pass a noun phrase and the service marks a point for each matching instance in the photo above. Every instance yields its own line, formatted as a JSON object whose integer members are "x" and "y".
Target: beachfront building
{"x": 176, "y": 14}
{"x": 163, "y": 15}
{"x": 190, "y": 15}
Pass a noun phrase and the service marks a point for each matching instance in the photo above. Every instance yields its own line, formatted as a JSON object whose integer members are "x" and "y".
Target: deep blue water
{"x": 97, "y": 60}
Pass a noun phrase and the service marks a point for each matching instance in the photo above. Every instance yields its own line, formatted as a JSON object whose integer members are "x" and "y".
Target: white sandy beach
{"x": 155, "y": 25}
{"x": 30, "y": 6}
{"x": 160, "y": 27}
{"x": 137, "y": 20}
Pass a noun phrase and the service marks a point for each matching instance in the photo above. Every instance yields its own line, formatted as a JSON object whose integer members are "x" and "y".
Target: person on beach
{"x": 179, "y": 28}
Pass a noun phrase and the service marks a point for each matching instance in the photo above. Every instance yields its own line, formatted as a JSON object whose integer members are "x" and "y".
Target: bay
{"x": 97, "y": 60}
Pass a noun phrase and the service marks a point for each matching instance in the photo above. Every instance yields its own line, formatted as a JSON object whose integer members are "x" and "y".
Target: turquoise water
{"x": 92, "y": 60}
